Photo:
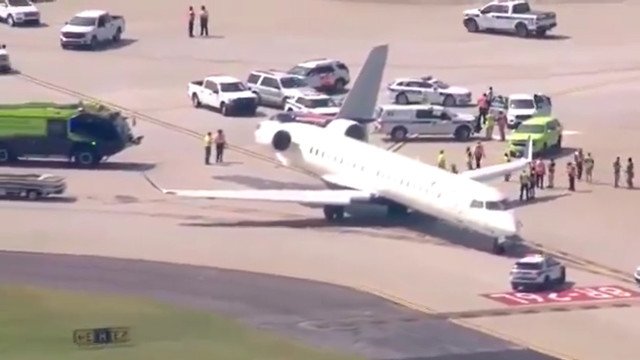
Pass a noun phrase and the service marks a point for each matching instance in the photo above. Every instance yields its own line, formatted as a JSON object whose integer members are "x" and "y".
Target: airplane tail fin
{"x": 529, "y": 149}
{"x": 360, "y": 103}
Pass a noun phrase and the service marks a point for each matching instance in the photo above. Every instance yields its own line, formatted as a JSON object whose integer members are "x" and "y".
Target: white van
{"x": 402, "y": 121}
{"x": 18, "y": 12}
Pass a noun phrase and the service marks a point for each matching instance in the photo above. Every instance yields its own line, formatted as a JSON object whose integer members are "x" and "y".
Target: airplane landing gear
{"x": 499, "y": 245}
{"x": 395, "y": 210}
{"x": 333, "y": 213}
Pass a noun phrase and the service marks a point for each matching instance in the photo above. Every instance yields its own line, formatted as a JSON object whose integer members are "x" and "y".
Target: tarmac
{"x": 591, "y": 73}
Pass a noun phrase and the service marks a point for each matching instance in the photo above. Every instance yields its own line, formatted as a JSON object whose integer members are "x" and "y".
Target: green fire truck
{"x": 84, "y": 133}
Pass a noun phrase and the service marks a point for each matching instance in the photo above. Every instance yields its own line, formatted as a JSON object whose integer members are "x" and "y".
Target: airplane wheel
{"x": 332, "y": 213}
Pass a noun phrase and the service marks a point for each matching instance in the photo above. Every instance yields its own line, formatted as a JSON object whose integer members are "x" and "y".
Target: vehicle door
{"x": 270, "y": 90}
{"x": 56, "y": 142}
{"x": 500, "y": 17}
{"x": 101, "y": 28}
{"x": 429, "y": 92}
{"x": 487, "y": 19}
{"x": 109, "y": 27}
{"x": 442, "y": 123}
{"x": 4, "y": 9}
{"x": 553, "y": 131}
{"x": 211, "y": 93}
{"x": 423, "y": 122}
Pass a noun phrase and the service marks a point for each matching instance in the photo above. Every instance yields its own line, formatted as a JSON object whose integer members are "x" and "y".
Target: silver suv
{"x": 273, "y": 88}
{"x": 323, "y": 74}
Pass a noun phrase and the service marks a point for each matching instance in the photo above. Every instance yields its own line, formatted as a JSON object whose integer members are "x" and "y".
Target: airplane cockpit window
{"x": 496, "y": 205}
{"x": 475, "y": 204}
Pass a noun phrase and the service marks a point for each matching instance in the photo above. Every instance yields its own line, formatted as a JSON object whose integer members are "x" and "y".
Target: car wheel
{"x": 399, "y": 134}
{"x": 462, "y": 133}
{"x": 471, "y": 25}
{"x": 195, "y": 100}
{"x": 117, "y": 36}
{"x": 521, "y": 30}
{"x": 10, "y": 21}
{"x": 449, "y": 101}
{"x": 402, "y": 99}
{"x": 541, "y": 33}
{"x": 94, "y": 43}
{"x": 224, "y": 109}
{"x": 559, "y": 143}
{"x": 5, "y": 156}
{"x": 289, "y": 110}
{"x": 85, "y": 158}
{"x": 563, "y": 276}
{"x": 339, "y": 84}
{"x": 33, "y": 194}
{"x": 546, "y": 284}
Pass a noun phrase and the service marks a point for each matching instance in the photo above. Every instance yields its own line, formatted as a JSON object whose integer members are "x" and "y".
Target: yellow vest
{"x": 442, "y": 162}
{"x": 207, "y": 140}
{"x": 491, "y": 120}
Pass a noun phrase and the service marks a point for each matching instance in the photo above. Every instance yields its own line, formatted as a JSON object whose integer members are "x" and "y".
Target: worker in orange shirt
{"x": 478, "y": 154}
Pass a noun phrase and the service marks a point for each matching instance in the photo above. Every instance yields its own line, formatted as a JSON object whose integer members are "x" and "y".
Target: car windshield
{"x": 292, "y": 82}
{"x": 521, "y": 104}
{"x": 82, "y": 21}
{"x": 299, "y": 70}
{"x": 440, "y": 84}
{"x": 530, "y": 129}
{"x": 18, "y": 3}
{"x": 232, "y": 87}
{"x": 528, "y": 266}
{"x": 320, "y": 103}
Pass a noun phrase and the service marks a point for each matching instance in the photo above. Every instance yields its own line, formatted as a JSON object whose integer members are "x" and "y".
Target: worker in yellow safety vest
{"x": 208, "y": 140}
{"x": 442, "y": 161}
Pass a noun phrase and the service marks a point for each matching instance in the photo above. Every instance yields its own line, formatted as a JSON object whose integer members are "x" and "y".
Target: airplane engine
{"x": 348, "y": 128}
{"x": 281, "y": 140}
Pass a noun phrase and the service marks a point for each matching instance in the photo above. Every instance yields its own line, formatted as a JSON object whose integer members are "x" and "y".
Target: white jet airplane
{"x": 358, "y": 172}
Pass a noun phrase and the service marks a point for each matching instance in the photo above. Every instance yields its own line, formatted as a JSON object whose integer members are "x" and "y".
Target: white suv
{"x": 314, "y": 103}
{"x": 17, "y": 12}
{"x": 427, "y": 89}
{"x": 323, "y": 74}
{"x": 541, "y": 272}
{"x": 273, "y": 88}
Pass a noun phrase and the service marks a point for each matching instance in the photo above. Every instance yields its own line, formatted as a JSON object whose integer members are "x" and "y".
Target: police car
{"x": 636, "y": 275}
{"x": 314, "y": 103}
{"x": 427, "y": 89}
{"x": 537, "y": 271}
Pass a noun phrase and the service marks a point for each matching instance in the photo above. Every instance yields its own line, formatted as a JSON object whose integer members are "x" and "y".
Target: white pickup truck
{"x": 90, "y": 28}
{"x": 225, "y": 93}
{"x": 521, "y": 107}
{"x": 19, "y": 12}
{"x": 509, "y": 16}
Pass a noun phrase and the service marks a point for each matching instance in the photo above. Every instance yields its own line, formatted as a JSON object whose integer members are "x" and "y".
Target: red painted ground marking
{"x": 576, "y": 294}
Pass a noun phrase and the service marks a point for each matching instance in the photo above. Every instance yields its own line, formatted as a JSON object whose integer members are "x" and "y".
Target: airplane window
{"x": 316, "y": 151}
{"x": 476, "y": 204}
{"x": 496, "y": 205}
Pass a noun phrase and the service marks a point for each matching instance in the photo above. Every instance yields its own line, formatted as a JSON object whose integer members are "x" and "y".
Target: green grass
{"x": 38, "y": 324}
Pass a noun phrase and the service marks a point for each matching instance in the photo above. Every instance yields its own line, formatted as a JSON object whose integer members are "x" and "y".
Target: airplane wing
{"x": 311, "y": 197}
{"x": 497, "y": 171}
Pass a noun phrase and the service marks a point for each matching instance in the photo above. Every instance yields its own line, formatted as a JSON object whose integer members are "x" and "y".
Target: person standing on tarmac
{"x": 589, "y": 164}
{"x": 221, "y": 143}
{"x": 617, "y": 166}
{"x": 491, "y": 123}
{"x": 507, "y": 159}
{"x": 532, "y": 181}
{"x": 571, "y": 173}
{"x": 478, "y": 154}
{"x": 208, "y": 139}
{"x": 630, "y": 173}
{"x": 552, "y": 174}
{"x": 502, "y": 124}
{"x": 442, "y": 161}
{"x": 541, "y": 171}
{"x": 469, "y": 155}
{"x": 204, "y": 21}
{"x": 483, "y": 110}
{"x": 524, "y": 185}
{"x": 192, "y": 19}
{"x": 578, "y": 158}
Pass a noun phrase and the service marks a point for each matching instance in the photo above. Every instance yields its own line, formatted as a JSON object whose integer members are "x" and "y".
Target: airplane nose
{"x": 511, "y": 225}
